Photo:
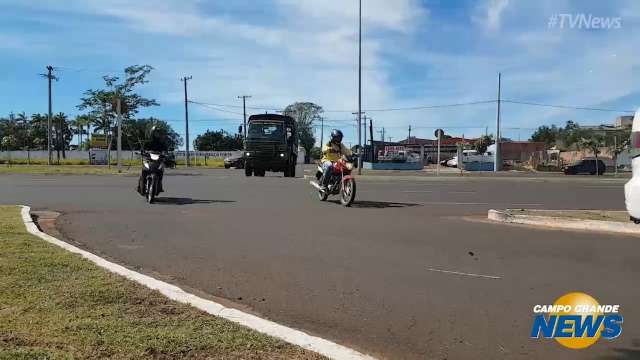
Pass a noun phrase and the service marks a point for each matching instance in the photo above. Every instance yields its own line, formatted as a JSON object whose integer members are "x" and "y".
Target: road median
{"x": 582, "y": 220}
{"x": 56, "y": 304}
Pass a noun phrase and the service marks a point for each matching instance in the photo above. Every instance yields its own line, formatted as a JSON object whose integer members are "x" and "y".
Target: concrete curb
{"x": 292, "y": 336}
{"x": 561, "y": 223}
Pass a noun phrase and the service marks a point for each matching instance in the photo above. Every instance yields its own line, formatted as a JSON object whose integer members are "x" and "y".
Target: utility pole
{"x": 321, "y": 131}
{"x": 119, "y": 119}
{"x": 186, "y": 116}
{"x": 374, "y": 155}
{"x": 615, "y": 159}
{"x": 409, "y": 138}
{"x": 244, "y": 111}
{"x": 359, "y": 86}
{"x": 49, "y": 75}
{"x": 497, "y": 161}
{"x": 364, "y": 135}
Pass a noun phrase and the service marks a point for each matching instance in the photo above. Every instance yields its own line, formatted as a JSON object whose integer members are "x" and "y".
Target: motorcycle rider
{"x": 332, "y": 152}
{"x": 157, "y": 143}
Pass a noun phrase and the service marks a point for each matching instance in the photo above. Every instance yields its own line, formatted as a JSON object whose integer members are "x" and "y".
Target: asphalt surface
{"x": 377, "y": 276}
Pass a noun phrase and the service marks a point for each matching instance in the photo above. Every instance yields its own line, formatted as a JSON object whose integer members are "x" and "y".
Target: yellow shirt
{"x": 333, "y": 152}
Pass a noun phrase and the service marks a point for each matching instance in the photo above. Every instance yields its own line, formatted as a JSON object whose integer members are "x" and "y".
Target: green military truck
{"x": 271, "y": 145}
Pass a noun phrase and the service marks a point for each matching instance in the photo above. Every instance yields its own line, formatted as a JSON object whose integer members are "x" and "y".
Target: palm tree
{"x": 79, "y": 124}
{"x": 592, "y": 142}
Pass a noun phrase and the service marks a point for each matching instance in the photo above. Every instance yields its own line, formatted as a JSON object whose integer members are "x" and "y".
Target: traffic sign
{"x": 439, "y": 133}
{"x": 98, "y": 141}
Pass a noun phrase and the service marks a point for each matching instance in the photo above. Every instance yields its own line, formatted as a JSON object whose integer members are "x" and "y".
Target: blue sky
{"x": 280, "y": 51}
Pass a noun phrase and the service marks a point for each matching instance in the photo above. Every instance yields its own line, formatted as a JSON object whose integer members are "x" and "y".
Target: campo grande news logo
{"x": 576, "y": 321}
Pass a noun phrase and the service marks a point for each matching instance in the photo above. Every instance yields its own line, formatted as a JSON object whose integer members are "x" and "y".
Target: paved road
{"x": 368, "y": 276}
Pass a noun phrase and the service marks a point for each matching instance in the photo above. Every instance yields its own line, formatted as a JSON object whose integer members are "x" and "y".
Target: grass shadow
{"x": 187, "y": 201}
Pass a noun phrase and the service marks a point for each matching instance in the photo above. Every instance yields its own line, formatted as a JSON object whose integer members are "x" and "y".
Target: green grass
{"x": 199, "y": 162}
{"x": 128, "y": 167}
{"x": 66, "y": 169}
{"x": 56, "y": 305}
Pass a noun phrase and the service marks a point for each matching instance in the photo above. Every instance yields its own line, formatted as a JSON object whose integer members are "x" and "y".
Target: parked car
{"x": 632, "y": 187}
{"x": 586, "y": 166}
{"x": 236, "y": 161}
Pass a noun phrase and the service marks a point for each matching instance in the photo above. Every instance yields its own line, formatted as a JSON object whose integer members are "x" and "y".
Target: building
{"x": 623, "y": 121}
{"x": 427, "y": 147}
{"x": 519, "y": 151}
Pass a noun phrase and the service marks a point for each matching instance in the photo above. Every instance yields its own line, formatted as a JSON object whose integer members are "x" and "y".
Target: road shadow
{"x": 377, "y": 204}
{"x": 622, "y": 354}
{"x": 187, "y": 201}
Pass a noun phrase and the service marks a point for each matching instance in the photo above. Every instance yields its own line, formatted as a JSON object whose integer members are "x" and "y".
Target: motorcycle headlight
{"x": 146, "y": 164}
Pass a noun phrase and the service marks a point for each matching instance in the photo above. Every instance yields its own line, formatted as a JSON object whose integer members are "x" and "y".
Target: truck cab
{"x": 271, "y": 145}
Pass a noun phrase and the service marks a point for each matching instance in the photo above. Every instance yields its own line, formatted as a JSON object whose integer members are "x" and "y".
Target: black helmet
{"x": 336, "y": 136}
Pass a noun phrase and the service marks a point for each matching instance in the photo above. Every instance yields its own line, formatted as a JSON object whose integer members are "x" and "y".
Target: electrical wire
{"x": 565, "y": 106}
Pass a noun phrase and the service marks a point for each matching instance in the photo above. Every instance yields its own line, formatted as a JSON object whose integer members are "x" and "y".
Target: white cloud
{"x": 307, "y": 50}
{"x": 491, "y": 13}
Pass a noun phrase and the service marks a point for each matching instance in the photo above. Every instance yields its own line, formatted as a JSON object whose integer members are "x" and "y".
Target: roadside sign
{"x": 439, "y": 133}
{"x": 99, "y": 141}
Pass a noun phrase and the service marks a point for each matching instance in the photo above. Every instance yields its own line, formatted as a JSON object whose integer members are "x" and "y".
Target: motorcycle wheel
{"x": 151, "y": 189}
{"x": 348, "y": 192}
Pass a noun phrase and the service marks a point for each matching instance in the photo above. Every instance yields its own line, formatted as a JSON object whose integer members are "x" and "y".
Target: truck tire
{"x": 248, "y": 171}
{"x": 292, "y": 171}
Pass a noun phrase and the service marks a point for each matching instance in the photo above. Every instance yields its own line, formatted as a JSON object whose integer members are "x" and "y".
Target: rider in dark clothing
{"x": 157, "y": 144}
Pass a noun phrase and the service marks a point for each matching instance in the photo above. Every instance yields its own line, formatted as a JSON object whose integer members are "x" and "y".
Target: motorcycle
{"x": 340, "y": 182}
{"x": 154, "y": 164}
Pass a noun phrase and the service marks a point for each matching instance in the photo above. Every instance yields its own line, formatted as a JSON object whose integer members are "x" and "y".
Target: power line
{"x": 439, "y": 106}
{"x": 426, "y": 107}
{"x": 566, "y": 106}
{"x": 210, "y": 106}
{"x": 240, "y": 106}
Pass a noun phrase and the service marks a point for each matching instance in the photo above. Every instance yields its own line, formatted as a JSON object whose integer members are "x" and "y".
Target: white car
{"x": 632, "y": 188}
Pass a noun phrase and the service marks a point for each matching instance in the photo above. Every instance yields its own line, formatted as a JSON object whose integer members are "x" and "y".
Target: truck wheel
{"x": 287, "y": 171}
{"x": 259, "y": 172}
{"x": 292, "y": 171}
{"x": 248, "y": 171}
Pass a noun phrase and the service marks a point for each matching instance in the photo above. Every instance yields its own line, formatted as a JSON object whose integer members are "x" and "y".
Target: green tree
{"x": 135, "y": 134}
{"x": 316, "y": 153}
{"x": 218, "y": 141}
{"x": 305, "y": 113}
{"x": 546, "y": 134}
{"x": 38, "y": 131}
{"x": 101, "y": 104}
{"x": 61, "y": 134}
{"x": 593, "y": 142}
{"x": 81, "y": 126}
{"x": 482, "y": 143}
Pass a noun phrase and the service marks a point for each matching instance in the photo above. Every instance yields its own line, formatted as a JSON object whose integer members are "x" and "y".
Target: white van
{"x": 632, "y": 188}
